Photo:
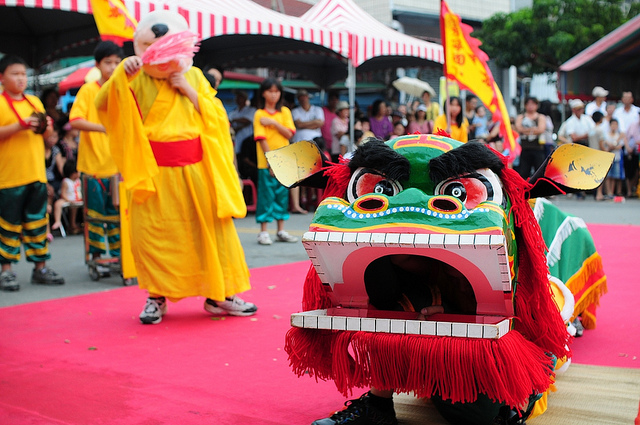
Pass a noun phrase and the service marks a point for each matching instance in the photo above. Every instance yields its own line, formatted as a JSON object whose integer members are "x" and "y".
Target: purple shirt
{"x": 382, "y": 128}
{"x": 633, "y": 136}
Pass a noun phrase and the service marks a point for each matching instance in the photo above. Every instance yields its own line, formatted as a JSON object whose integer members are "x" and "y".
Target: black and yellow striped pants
{"x": 23, "y": 220}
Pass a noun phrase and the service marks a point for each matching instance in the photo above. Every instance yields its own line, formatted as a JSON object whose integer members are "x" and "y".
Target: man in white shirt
{"x": 626, "y": 114}
{"x": 630, "y": 159}
{"x": 577, "y": 127}
{"x": 599, "y": 103}
{"x": 241, "y": 119}
{"x": 307, "y": 118}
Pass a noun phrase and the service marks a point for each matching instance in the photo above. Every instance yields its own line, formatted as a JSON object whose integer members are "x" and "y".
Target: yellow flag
{"x": 466, "y": 63}
{"x": 113, "y": 20}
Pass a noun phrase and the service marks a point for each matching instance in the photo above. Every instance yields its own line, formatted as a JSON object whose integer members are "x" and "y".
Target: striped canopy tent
{"x": 613, "y": 62}
{"x": 372, "y": 45}
{"x": 241, "y": 33}
{"x": 41, "y": 31}
{"x": 237, "y": 33}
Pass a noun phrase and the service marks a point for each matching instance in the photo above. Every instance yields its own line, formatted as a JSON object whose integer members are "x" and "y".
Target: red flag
{"x": 465, "y": 63}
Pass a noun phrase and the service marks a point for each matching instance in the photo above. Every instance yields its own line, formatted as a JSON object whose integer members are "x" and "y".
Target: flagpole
{"x": 444, "y": 66}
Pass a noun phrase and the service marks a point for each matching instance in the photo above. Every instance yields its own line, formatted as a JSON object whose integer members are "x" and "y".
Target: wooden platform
{"x": 587, "y": 395}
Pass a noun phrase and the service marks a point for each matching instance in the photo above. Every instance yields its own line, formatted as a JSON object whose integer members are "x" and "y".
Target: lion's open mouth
{"x": 379, "y": 282}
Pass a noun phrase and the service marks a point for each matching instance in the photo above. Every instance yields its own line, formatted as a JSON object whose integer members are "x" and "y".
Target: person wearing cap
{"x": 420, "y": 124}
{"x": 599, "y": 103}
{"x": 433, "y": 109}
{"x": 577, "y": 127}
{"x": 339, "y": 128}
{"x": 308, "y": 120}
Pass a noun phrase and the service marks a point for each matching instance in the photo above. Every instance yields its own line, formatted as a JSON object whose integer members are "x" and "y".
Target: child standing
{"x": 94, "y": 155}
{"x": 614, "y": 142}
{"x": 272, "y": 128}
{"x": 23, "y": 180}
{"x": 70, "y": 192}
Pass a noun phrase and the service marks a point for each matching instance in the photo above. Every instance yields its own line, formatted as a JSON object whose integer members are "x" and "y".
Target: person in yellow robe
{"x": 172, "y": 146}
{"x": 459, "y": 129}
{"x": 94, "y": 157}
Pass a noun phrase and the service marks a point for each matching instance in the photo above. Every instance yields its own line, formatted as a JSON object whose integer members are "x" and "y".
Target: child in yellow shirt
{"x": 23, "y": 180}
{"x": 94, "y": 156}
{"x": 272, "y": 128}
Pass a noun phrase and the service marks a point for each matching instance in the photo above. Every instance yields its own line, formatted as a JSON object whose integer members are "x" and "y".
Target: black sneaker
{"x": 361, "y": 412}
{"x": 46, "y": 276}
{"x": 153, "y": 311}
{"x": 8, "y": 281}
{"x": 579, "y": 328}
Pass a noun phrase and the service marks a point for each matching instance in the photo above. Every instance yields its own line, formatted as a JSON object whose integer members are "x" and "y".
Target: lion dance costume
{"x": 422, "y": 221}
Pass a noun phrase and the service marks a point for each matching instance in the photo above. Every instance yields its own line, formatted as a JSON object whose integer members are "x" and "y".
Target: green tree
{"x": 541, "y": 38}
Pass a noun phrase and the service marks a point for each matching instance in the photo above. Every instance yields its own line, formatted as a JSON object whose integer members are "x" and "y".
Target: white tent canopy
{"x": 238, "y": 32}
{"x": 373, "y": 45}
{"x": 369, "y": 37}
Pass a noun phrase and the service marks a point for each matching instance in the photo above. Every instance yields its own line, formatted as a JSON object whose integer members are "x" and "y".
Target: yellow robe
{"x": 183, "y": 239}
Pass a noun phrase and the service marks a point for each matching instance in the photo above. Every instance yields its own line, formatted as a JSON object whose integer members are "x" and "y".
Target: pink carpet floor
{"x": 615, "y": 341}
{"x": 87, "y": 360}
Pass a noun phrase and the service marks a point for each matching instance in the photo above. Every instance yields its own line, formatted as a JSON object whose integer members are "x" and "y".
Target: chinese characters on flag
{"x": 113, "y": 20}
{"x": 465, "y": 63}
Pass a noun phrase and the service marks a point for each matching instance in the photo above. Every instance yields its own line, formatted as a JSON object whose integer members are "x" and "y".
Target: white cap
{"x": 576, "y": 103}
{"x": 599, "y": 92}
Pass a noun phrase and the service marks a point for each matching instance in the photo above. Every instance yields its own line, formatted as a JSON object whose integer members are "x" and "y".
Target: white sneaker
{"x": 234, "y": 306}
{"x": 153, "y": 311}
{"x": 264, "y": 238}
{"x": 283, "y": 236}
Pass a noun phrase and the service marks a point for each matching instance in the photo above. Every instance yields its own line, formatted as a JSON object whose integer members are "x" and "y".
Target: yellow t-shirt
{"x": 460, "y": 134}
{"x": 22, "y": 154}
{"x": 274, "y": 139}
{"x": 94, "y": 155}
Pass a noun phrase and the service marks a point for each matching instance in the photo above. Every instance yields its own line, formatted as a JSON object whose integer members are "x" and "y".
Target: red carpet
{"x": 615, "y": 340}
{"x": 87, "y": 360}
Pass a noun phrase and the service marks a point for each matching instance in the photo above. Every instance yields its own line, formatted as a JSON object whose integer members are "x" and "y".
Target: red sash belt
{"x": 177, "y": 154}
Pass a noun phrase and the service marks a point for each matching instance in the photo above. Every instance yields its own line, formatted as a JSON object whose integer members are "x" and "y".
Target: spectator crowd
{"x": 271, "y": 119}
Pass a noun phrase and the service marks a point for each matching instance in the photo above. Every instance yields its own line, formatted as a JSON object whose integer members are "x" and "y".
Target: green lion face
{"x": 402, "y": 245}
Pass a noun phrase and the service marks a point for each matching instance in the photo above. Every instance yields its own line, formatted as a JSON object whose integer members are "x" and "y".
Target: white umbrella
{"x": 413, "y": 86}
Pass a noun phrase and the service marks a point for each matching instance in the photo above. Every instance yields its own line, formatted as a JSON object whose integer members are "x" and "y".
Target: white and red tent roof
{"x": 210, "y": 18}
{"x": 207, "y": 18}
{"x": 234, "y": 33}
{"x": 369, "y": 38}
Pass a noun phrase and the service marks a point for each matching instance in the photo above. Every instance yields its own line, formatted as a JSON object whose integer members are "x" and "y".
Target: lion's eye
{"x": 473, "y": 189}
{"x": 365, "y": 180}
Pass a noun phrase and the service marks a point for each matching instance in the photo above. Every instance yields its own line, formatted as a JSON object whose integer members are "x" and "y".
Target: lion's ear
{"x": 299, "y": 163}
{"x": 570, "y": 168}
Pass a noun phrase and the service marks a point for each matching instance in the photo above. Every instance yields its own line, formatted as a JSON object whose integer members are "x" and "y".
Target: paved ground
{"x": 68, "y": 254}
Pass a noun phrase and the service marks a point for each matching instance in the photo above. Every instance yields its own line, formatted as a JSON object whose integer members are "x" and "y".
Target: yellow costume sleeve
{"x": 218, "y": 153}
{"x": 130, "y": 148}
